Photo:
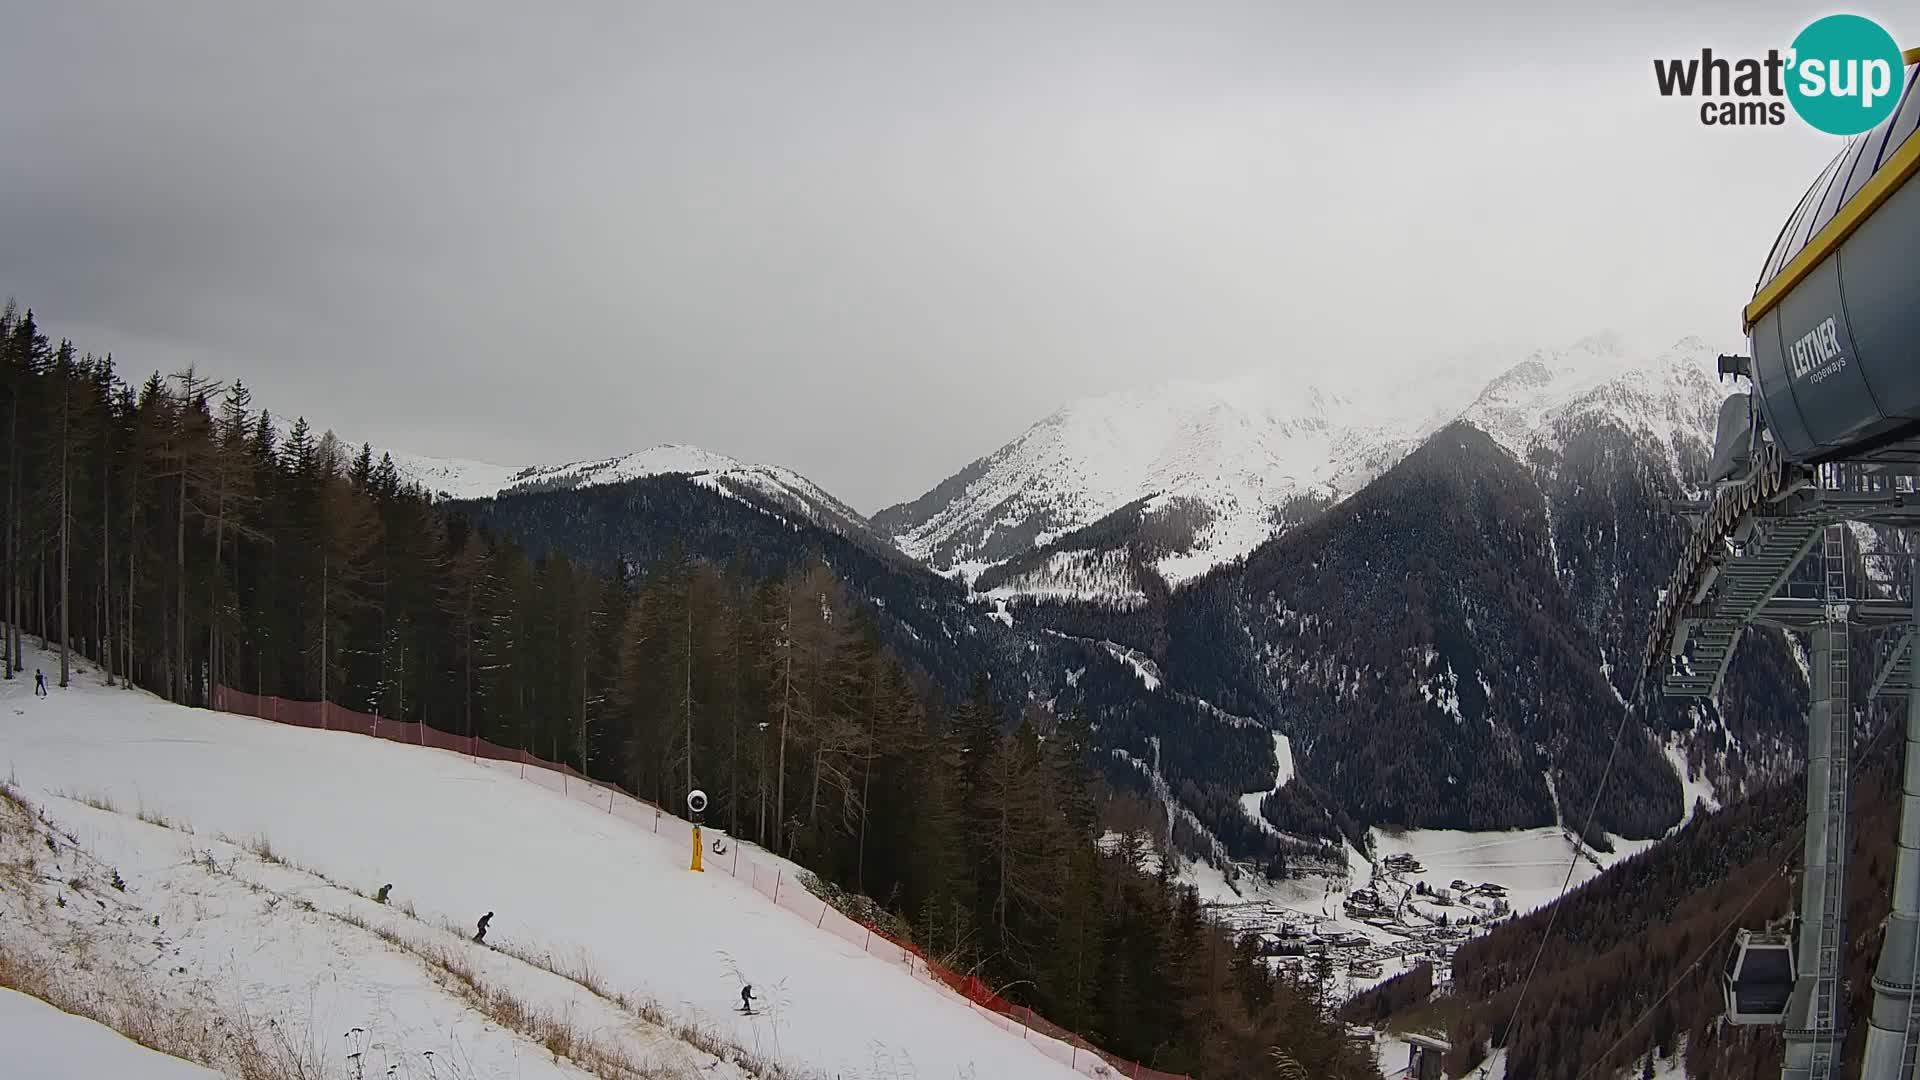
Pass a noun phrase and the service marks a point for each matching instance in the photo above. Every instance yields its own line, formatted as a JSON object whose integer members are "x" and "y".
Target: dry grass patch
{"x": 98, "y": 802}
{"x": 157, "y": 818}
{"x": 262, "y": 847}
{"x": 199, "y": 1031}
{"x": 11, "y": 798}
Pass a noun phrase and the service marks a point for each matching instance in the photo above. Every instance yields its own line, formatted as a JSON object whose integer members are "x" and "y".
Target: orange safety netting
{"x": 770, "y": 881}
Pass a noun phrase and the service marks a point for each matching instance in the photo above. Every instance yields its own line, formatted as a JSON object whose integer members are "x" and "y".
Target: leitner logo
{"x": 1843, "y": 75}
{"x": 1817, "y": 353}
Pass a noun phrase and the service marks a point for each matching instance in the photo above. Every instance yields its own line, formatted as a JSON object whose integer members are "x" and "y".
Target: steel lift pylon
{"x": 1744, "y": 553}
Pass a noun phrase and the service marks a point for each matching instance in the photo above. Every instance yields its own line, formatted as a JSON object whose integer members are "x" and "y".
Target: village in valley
{"x": 1362, "y": 935}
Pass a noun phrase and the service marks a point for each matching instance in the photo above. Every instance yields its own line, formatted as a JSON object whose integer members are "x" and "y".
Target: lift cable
{"x": 1800, "y": 837}
{"x": 1712, "y": 943}
{"x": 1579, "y": 840}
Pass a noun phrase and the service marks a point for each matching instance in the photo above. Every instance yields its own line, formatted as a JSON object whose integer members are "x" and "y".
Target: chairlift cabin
{"x": 1758, "y": 980}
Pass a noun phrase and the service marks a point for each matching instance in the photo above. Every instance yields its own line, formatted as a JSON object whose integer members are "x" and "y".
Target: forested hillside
{"x": 1205, "y": 759}
{"x": 166, "y": 532}
{"x": 1663, "y": 921}
{"x": 1418, "y": 641}
{"x": 1629, "y": 974}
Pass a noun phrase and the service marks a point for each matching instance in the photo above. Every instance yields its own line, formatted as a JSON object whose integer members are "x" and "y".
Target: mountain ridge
{"x": 459, "y": 480}
{"x": 1175, "y": 480}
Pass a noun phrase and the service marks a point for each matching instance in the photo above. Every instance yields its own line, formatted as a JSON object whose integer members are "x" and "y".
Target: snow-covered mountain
{"x": 1227, "y": 455}
{"x": 783, "y": 488}
{"x": 1206, "y": 472}
{"x": 1531, "y": 405}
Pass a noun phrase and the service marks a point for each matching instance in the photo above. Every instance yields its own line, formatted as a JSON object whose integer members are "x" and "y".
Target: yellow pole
{"x": 696, "y": 851}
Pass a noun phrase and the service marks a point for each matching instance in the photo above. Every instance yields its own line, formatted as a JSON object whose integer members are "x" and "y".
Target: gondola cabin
{"x": 1758, "y": 981}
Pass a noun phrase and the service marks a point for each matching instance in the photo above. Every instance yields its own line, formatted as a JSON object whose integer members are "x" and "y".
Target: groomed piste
{"x": 458, "y": 837}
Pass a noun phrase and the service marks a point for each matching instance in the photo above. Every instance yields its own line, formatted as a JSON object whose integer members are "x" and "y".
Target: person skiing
{"x": 480, "y": 934}
{"x": 746, "y": 999}
{"x": 39, "y": 683}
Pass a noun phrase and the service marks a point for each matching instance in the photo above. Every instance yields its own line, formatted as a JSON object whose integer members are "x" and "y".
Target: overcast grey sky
{"x": 869, "y": 241}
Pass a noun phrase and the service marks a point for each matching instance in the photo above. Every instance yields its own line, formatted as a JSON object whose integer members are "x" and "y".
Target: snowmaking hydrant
{"x": 697, "y": 807}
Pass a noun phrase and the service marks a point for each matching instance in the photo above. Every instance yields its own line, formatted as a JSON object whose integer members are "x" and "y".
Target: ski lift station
{"x": 1826, "y": 434}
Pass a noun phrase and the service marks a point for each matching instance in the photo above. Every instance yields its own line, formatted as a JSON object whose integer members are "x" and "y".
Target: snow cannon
{"x": 1834, "y": 326}
{"x": 697, "y": 808}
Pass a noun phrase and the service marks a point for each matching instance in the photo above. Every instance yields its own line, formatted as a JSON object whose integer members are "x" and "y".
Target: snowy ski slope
{"x": 43, "y": 1043}
{"x": 458, "y": 838}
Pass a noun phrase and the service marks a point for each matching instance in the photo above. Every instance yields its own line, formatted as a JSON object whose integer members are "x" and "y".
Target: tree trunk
{"x": 66, "y": 533}
{"x": 180, "y": 591}
{"x": 688, "y": 700}
{"x": 126, "y": 607}
{"x": 386, "y": 647}
{"x": 468, "y": 698}
{"x": 733, "y": 763}
{"x": 1000, "y": 901}
{"x": 66, "y": 486}
{"x": 866, "y": 790}
{"x": 813, "y": 799}
{"x": 12, "y": 642}
{"x": 786, "y": 711}
{"x": 133, "y": 525}
{"x": 213, "y": 583}
{"x": 106, "y": 562}
{"x": 323, "y": 638}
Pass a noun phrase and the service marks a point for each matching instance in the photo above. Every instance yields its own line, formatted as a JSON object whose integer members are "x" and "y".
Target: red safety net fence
{"x": 763, "y": 872}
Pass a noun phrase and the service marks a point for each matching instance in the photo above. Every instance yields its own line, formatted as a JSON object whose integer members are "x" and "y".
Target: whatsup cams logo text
{"x": 1843, "y": 75}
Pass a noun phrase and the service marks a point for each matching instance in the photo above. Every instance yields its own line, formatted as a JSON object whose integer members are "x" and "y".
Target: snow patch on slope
{"x": 1283, "y": 766}
{"x": 43, "y": 1043}
{"x": 1142, "y": 664}
{"x": 1074, "y": 575}
{"x": 1693, "y": 789}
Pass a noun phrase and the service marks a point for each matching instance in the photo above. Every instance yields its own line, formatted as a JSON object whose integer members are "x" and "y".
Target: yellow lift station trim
{"x": 1893, "y": 173}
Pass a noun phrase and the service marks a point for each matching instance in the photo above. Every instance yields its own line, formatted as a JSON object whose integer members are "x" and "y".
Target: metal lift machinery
{"x": 1827, "y": 433}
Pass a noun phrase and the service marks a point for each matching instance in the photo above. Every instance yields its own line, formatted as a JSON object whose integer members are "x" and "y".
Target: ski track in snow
{"x": 1693, "y": 789}
{"x": 1283, "y": 765}
{"x": 457, "y": 838}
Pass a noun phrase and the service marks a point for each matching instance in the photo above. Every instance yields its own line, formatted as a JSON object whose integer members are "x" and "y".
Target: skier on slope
{"x": 480, "y": 934}
{"x": 746, "y": 999}
{"x": 39, "y": 683}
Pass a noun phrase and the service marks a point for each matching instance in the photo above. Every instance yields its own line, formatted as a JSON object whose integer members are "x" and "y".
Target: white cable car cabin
{"x": 1758, "y": 981}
